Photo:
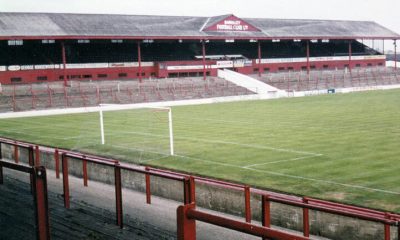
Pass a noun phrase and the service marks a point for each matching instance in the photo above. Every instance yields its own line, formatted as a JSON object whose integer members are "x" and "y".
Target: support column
{"x": 139, "y": 61}
{"x": 395, "y": 54}
{"x": 39, "y": 185}
{"x": 203, "y": 46}
{"x": 350, "y": 55}
{"x": 64, "y": 62}
{"x": 259, "y": 58}
{"x": 308, "y": 57}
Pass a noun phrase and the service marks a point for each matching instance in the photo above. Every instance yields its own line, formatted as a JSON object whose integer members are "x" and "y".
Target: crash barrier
{"x": 189, "y": 189}
{"x": 39, "y": 192}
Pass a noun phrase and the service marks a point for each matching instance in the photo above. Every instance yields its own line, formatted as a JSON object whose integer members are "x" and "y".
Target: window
{"x": 15, "y": 42}
{"x": 87, "y": 76}
{"x": 153, "y": 74}
{"x": 312, "y": 67}
{"x": 325, "y": 66}
{"x": 290, "y": 68}
{"x": 41, "y": 78}
{"x": 48, "y": 41}
{"x": 15, "y": 79}
{"x": 380, "y": 64}
{"x": 266, "y": 69}
{"x": 281, "y": 69}
{"x": 75, "y": 76}
{"x": 124, "y": 74}
{"x": 116, "y": 40}
{"x": 255, "y": 69}
{"x": 369, "y": 64}
{"x": 83, "y": 41}
{"x": 358, "y": 65}
{"x": 101, "y": 75}
{"x": 303, "y": 67}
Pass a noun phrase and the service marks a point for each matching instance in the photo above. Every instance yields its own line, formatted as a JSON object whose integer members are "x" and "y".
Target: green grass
{"x": 343, "y": 147}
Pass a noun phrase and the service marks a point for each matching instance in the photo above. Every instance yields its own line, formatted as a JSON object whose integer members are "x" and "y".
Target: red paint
{"x": 308, "y": 57}
{"x": 16, "y": 153}
{"x": 187, "y": 214}
{"x": 85, "y": 175}
{"x": 203, "y": 48}
{"x": 40, "y": 198}
{"x": 148, "y": 190}
{"x": 118, "y": 196}
{"x": 139, "y": 61}
{"x": 64, "y": 62}
{"x": 306, "y": 220}
{"x": 37, "y": 156}
{"x": 232, "y": 24}
{"x": 64, "y": 160}
{"x": 259, "y": 58}
{"x": 186, "y": 191}
{"x": 57, "y": 163}
{"x": 265, "y": 212}
{"x": 192, "y": 189}
{"x": 247, "y": 206}
{"x": 189, "y": 189}
{"x": 387, "y": 231}
{"x": 186, "y": 227}
{"x": 350, "y": 56}
{"x": 41, "y": 202}
{"x": 76, "y": 37}
{"x": 395, "y": 55}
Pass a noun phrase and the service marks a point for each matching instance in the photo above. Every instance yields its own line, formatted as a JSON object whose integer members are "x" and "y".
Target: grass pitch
{"x": 343, "y": 147}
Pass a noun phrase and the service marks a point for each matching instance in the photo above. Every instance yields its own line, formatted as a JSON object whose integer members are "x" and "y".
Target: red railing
{"x": 188, "y": 214}
{"x": 39, "y": 191}
{"x": 189, "y": 189}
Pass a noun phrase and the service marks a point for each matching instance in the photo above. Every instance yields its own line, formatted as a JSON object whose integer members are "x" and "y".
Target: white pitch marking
{"x": 281, "y": 161}
{"x": 294, "y": 176}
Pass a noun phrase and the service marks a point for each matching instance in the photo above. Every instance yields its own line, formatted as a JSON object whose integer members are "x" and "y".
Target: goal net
{"x": 143, "y": 133}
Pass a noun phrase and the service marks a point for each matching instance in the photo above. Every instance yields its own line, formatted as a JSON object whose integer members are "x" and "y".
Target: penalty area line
{"x": 281, "y": 161}
{"x": 295, "y": 177}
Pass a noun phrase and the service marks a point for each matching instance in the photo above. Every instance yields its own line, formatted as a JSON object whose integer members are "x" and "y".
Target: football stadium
{"x": 276, "y": 128}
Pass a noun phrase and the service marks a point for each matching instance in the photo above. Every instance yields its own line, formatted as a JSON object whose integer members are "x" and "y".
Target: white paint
{"x": 116, "y": 107}
{"x": 392, "y": 64}
{"x": 287, "y": 160}
{"x": 101, "y": 126}
{"x": 249, "y": 83}
{"x": 171, "y": 134}
{"x": 295, "y": 176}
{"x": 321, "y": 59}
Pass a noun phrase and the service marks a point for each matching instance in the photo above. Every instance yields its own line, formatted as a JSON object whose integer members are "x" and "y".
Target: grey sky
{"x": 384, "y": 12}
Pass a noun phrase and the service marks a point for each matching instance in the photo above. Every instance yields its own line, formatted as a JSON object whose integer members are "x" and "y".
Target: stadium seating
{"x": 103, "y": 51}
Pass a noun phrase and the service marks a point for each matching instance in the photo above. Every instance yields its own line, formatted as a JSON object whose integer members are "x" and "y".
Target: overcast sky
{"x": 384, "y": 12}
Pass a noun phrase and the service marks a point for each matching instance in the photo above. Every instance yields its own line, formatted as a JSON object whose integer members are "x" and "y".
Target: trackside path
{"x": 92, "y": 213}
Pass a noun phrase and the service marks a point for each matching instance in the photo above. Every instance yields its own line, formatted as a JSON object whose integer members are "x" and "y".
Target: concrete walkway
{"x": 92, "y": 213}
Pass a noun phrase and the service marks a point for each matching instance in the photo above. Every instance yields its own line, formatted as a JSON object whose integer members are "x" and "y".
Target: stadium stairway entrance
{"x": 250, "y": 83}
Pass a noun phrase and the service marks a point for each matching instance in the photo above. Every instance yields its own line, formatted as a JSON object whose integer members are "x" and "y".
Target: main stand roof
{"x": 108, "y": 26}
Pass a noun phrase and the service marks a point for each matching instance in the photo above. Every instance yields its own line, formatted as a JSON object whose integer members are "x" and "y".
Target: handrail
{"x": 39, "y": 191}
{"x": 188, "y": 214}
{"x": 347, "y": 213}
{"x": 189, "y": 186}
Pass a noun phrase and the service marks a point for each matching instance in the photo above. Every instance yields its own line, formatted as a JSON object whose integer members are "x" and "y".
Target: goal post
{"x": 116, "y": 107}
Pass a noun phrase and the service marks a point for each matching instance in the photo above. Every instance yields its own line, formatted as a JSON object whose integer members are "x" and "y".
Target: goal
{"x": 154, "y": 122}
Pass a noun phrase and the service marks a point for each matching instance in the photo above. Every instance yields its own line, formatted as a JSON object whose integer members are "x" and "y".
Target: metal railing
{"x": 39, "y": 191}
{"x": 189, "y": 183}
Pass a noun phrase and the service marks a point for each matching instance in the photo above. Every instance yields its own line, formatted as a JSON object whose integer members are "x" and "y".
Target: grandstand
{"x": 306, "y": 149}
{"x": 67, "y": 47}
